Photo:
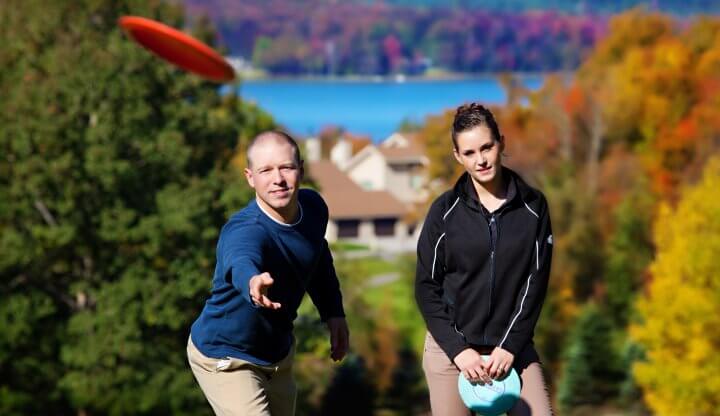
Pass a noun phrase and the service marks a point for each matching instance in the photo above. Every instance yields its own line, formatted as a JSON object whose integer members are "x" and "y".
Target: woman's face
{"x": 480, "y": 154}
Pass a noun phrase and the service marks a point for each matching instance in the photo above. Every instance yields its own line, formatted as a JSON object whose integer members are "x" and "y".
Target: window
{"x": 348, "y": 228}
{"x": 367, "y": 185}
{"x": 384, "y": 227}
{"x": 411, "y": 229}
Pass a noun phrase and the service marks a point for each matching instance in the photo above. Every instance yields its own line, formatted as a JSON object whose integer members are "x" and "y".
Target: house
{"x": 398, "y": 165}
{"x": 371, "y": 191}
{"x": 371, "y": 218}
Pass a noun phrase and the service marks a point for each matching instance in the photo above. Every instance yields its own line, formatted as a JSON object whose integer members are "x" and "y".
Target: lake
{"x": 372, "y": 108}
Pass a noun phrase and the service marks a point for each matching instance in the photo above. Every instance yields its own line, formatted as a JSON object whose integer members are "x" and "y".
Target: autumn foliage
{"x": 680, "y": 312}
{"x": 322, "y": 37}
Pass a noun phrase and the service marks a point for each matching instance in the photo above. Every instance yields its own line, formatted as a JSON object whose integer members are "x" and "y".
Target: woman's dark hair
{"x": 469, "y": 116}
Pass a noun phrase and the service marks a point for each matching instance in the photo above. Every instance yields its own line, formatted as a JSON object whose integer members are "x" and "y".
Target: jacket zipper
{"x": 493, "y": 237}
{"x": 494, "y": 221}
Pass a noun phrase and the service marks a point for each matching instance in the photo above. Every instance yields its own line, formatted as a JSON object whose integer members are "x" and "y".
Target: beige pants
{"x": 236, "y": 387}
{"x": 442, "y": 374}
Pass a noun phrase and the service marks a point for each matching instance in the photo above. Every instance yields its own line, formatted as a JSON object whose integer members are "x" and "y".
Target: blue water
{"x": 370, "y": 108}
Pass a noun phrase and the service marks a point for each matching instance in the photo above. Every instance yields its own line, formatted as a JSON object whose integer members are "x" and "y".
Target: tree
{"x": 115, "y": 181}
{"x": 351, "y": 391}
{"x": 679, "y": 325}
{"x": 589, "y": 372}
{"x": 628, "y": 254}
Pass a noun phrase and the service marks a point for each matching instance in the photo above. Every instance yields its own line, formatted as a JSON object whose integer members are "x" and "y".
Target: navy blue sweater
{"x": 298, "y": 259}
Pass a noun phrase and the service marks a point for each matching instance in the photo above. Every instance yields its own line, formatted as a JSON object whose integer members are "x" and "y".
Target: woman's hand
{"x": 470, "y": 363}
{"x": 499, "y": 363}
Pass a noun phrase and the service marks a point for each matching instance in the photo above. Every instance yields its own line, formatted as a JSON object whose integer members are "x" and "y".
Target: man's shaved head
{"x": 275, "y": 136}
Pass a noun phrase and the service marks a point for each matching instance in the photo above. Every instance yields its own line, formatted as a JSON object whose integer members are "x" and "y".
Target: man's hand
{"x": 339, "y": 338}
{"x": 499, "y": 363}
{"x": 470, "y": 363}
{"x": 259, "y": 285}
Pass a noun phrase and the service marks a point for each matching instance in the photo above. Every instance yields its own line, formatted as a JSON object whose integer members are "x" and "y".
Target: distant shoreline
{"x": 399, "y": 78}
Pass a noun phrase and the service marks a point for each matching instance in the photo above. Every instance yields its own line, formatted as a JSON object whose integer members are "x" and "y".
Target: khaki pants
{"x": 441, "y": 375}
{"x": 236, "y": 387}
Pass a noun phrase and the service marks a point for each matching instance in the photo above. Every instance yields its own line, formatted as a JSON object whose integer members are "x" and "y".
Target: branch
{"x": 47, "y": 216}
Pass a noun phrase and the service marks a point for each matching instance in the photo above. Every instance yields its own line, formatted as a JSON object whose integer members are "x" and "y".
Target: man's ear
{"x": 249, "y": 177}
{"x": 302, "y": 171}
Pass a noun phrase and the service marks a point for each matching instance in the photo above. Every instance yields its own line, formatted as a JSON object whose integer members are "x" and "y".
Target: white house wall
{"x": 331, "y": 232}
{"x": 400, "y": 185}
{"x": 370, "y": 173}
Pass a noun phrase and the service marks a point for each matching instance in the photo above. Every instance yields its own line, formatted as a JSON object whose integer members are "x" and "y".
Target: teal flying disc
{"x": 490, "y": 399}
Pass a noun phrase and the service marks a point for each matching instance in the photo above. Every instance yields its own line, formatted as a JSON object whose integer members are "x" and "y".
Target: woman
{"x": 483, "y": 263}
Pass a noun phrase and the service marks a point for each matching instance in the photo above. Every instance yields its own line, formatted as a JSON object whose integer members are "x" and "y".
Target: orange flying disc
{"x": 178, "y": 48}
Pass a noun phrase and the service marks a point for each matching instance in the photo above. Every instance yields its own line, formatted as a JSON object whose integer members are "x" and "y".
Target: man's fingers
{"x": 266, "y": 279}
{"x": 266, "y": 302}
{"x": 254, "y": 291}
{"x": 261, "y": 281}
{"x": 259, "y": 285}
{"x": 339, "y": 341}
{"x": 341, "y": 345}
{"x": 338, "y": 354}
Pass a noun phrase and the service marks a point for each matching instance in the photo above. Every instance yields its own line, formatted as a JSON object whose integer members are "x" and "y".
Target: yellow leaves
{"x": 671, "y": 54}
{"x": 627, "y": 31}
{"x": 655, "y": 111}
{"x": 709, "y": 63}
{"x": 239, "y": 159}
{"x": 679, "y": 351}
{"x": 680, "y": 327}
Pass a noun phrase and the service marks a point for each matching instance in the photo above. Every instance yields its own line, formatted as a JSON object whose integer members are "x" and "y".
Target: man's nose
{"x": 278, "y": 176}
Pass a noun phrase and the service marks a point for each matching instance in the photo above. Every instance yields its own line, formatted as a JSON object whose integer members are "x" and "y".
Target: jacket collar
{"x": 461, "y": 189}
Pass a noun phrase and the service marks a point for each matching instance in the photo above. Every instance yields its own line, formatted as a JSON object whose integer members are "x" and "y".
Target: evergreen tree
{"x": 407, "y": 393}
{"x": 590, "y": 373}
{"x": 115, "y": 178}
{"x": 629, "y": 252}
{"x": 351, "y": 391}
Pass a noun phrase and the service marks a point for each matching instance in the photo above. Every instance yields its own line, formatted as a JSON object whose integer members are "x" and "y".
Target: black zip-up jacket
{"x": 481, "y": 278}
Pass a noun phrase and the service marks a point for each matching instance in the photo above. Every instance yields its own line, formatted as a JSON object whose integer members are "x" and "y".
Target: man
{"x": 269, "y": 254}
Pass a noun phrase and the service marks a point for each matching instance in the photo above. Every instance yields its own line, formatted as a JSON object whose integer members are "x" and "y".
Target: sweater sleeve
{"x": 324, "y": 288}
{"x": 242, "y": 254}
{"x": 530, "y": 299}
{"x": 429, "y": 277}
